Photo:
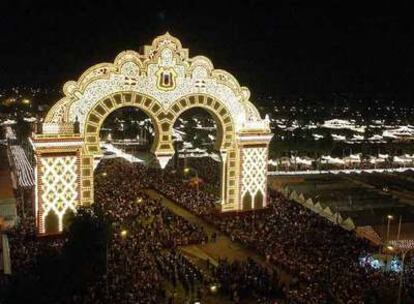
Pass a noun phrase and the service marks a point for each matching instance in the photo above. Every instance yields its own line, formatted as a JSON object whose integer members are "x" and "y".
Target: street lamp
{"x": 390, "y": 248}
{"x": 389, "y": 219}
{"x": 213, "y": 288}
{"x": 124, "y": 233}
{"x": 295, "y": 153}
{"x": 26, "y": 101}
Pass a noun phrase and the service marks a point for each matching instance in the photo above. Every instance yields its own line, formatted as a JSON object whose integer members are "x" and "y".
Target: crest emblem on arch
{"x": 166, "y": 79}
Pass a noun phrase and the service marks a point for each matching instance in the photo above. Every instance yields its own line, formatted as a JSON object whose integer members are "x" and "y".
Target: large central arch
{"x": 163, "y": 82}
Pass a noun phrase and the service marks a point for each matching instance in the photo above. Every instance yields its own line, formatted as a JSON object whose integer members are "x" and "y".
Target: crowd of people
{"x": 246, "y": 279}
{"x": 174, "y": 186}
{"x": 208, "y": 169}
{"x": 119, "y": 190}
{"x": 143, "y": 259}
{"x": 177, "y": 268}
{"x": 143, "y": 252}
{"x": 122, "y": 198}
{"x": 320, "y": 257}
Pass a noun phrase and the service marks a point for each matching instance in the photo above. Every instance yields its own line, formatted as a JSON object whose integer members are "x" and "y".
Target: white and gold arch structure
{"x": 163, "y": 82}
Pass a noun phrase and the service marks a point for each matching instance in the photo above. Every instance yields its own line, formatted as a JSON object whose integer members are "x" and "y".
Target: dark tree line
{"x": 66, "y": 267}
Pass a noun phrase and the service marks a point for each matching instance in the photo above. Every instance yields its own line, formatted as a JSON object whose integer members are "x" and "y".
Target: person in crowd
{"x": 321, "y": 258}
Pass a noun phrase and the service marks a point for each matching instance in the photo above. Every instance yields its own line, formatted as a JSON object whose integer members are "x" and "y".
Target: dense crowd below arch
{"x": 321, "y": 258}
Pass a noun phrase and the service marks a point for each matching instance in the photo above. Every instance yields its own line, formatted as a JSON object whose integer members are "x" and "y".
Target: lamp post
{"x": 295, "y": 159}
{"x": 389, "y": 218}
{"x": 343, "y": 156}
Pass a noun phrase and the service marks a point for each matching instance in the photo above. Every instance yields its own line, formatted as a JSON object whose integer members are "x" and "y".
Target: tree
{"x": 59, "y": 273}
{"x": 85, "y": 250}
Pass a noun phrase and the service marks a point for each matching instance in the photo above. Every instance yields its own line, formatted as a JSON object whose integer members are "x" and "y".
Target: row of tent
{"x": 318, "y": 208}
{"x": 305, "y": 161}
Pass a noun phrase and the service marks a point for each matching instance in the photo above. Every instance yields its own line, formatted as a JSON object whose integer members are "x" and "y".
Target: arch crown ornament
{"x": 163, "y": 81}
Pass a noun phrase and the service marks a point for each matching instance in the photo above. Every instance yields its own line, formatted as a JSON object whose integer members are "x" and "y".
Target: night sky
{"x": 289, "y": 48}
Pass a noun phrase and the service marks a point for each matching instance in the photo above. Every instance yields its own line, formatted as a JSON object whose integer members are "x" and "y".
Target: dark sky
{"x": 292, "y": 47}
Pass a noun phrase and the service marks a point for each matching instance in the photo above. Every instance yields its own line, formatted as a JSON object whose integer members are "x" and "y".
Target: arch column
{"x": 58, "y": 175}
{"x": 253, "y": 158}
{"x": 231, "y": 182}
{"x": 223, "y": 155}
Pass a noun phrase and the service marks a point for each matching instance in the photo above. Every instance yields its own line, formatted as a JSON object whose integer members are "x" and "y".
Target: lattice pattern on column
{"x": 59, "y": 186}
{"x": 254, "y": 170}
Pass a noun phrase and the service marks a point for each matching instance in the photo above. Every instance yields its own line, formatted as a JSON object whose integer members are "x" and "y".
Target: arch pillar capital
{"x": 164, "y": 158}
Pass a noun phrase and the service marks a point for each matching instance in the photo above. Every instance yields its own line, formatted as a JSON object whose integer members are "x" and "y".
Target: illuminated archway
{"x": 110, "y": 104}
{"x": 163, "y": 82}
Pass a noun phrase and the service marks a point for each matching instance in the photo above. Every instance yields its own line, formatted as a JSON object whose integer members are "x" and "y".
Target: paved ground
{"x": 222, "y": 248}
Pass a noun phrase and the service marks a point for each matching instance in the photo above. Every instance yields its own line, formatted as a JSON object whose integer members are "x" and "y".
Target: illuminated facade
{"x": 163, "y": 82}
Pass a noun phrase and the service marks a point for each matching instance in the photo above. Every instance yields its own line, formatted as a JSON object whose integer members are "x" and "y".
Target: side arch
{"x": 258, "y": 200}
{"x": 247, "y": 202}
{"x": 225, "y": 142}
{"x": 222, "y": 116}
{"x": 113, "y": 102}
{"x": 51, "y": 222}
